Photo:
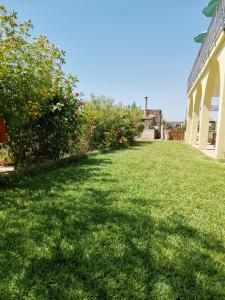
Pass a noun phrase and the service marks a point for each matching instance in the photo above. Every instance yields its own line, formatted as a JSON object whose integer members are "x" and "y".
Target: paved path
{"x": 6, "y": 169}
{"x": 210, "y": 151}
{"x": 147, "y": 135}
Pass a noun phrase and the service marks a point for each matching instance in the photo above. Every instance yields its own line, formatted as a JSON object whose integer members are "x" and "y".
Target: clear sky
{"x": 124, "y": 49}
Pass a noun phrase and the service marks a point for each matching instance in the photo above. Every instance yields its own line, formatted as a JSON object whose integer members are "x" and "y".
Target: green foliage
{"x": 52, "y": 135}
{"x": 43, "y": 116}
{"x": 111, "y": 124}
{"x": 31, "y": 81}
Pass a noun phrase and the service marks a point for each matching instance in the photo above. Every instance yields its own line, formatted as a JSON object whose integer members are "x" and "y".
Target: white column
{"x": 194, "y": 132}
{"x": 205, "y": 113}
{"x": 220, "y": 136}
{"x": 189, "y": 120}
{"x": 204, "y": 124}
{"x": 195, "y": 116}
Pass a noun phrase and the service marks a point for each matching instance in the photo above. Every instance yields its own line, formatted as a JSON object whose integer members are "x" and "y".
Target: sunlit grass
{"x": 140, "y": 223}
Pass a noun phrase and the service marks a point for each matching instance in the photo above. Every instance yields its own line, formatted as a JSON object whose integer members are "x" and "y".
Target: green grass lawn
{"x": 141, "y": 223}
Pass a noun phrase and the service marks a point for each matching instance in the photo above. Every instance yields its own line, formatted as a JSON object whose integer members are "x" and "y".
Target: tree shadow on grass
{"x": 58, "y": 242}
{"x": 53, "y": 178}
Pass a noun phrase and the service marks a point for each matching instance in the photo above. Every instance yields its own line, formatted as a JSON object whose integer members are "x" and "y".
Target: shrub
{"x": 32, "y": 84}
{"x": 111, "y": 124}
{"x": 52, "y": 135}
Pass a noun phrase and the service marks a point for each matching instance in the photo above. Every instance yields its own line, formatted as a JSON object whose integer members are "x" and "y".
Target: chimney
{"x": 146, "y": 106}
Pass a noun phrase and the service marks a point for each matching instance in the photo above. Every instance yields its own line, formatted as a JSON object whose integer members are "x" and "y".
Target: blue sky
{"x": 124, "y": 49}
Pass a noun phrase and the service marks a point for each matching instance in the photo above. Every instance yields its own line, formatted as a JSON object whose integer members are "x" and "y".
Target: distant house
{"x": 152, "y": 117}
{"x": 153, "y": 121}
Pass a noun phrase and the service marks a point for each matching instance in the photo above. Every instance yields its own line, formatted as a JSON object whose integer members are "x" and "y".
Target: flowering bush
{"x": 33, "y": 89}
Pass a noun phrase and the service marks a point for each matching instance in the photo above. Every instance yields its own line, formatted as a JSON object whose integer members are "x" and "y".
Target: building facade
{"x": 153, "y": 121}
{"x": 152, "y": 117}
{"x": 207, "y": 80}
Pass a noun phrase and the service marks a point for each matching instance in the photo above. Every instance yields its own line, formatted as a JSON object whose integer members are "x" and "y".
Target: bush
{"x": 52, "y": 135}
{"x": 33, "y": 89}
{"x": 111, "y": 124}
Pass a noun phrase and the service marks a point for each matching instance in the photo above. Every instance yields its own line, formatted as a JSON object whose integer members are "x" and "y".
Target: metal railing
{"x": 215, "y": 27}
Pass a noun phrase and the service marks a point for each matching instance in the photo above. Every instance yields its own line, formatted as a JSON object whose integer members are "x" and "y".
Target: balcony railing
{"x": 215, "y": 27}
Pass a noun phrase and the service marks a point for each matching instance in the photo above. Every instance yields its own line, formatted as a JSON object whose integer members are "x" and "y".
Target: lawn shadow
{"x": 136, "y": 145}
{"x": 57, "y": 243}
